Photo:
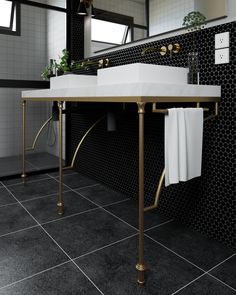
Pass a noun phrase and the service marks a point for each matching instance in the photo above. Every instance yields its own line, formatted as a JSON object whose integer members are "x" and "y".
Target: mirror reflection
{"x": 121, "y": 22}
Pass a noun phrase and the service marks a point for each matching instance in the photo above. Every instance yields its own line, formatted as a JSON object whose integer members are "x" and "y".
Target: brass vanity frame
{"x": 141, "y": 102}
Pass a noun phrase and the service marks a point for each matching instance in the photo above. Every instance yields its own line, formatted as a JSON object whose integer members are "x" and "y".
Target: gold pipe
{"x": 60, "y": 203}
{"x": 81, "y": 141}
{"x": 158, "y": 192}
{"x": 101, "y": 63}
{"x": 140, "y": 265}
{"x": 165, "y": 111}
{"x": 23, "y": 175}
{"x": 162, "y": 50}
{"x": 39, "y": 132}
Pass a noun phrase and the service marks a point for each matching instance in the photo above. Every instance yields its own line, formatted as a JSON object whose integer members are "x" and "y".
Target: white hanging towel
{"x": 183, "y": 144}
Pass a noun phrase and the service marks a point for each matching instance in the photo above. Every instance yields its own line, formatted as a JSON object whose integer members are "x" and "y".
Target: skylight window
{"x": 109, "y": 32}
{"x": 8, "y": 17}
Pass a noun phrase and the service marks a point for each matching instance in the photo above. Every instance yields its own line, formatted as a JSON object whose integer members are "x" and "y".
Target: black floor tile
{"x": 13, "y": 165}
{"x": 5, "y": 197}
{"x": 101, "y": 194}
{"x": 34, "y": 189}
{"x": 204, "y": 252}
{"x": 128, "y": 211}
{"x": 43, "y": 160}
{"x": 77, "y": 180}
{"x": 65, "y": 280}
{"x": 45, "y": 209}
{"x": 206, "y": 285}
{"x": 86, "y": 232}
{"x": 113, "y": 269}
{"x": 18, "y": 180}
{"x": 226, "y": 272}
{"x": 25, "y": 253}
{"x": 66, "y": 172}
{"x": 14, "y": 218}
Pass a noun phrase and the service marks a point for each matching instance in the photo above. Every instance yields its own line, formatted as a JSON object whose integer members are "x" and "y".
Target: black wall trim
{"x": 41, "y": 5}
{"x": 4, "y": 83}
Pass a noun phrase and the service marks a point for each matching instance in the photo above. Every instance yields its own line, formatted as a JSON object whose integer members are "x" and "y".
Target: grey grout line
{"x": 108, "y": 211}
{"x": 100, "y": 207}
{"x": 44, "y": 196}
{"x": 79, "y": 213}
{"x": 205, "y": 272}
{"x": 158, "y": 225}
{"x": 9, "y": 204}
{"x": 221, "y": 281}
{"x": 34, "y": 166}
{"x": 58, "y": 219}
{"x": 72, "y": 215}
{"x": 35, "y": 274}
{"x": 174, "y": 253}
{"x": 18, "y": 231}
{"x": 115, "y": 203}
{"x": 56, "y": 243}
{"x": 188, "y": 284}
{"x": 27, "y": 181}
{"x": 107, "y": 246}
{"x": 221, "y": 262}
{"x": 87, "y": 186}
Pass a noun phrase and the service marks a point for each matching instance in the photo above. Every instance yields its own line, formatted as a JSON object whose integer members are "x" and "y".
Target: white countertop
{"x": 127, "y": 90}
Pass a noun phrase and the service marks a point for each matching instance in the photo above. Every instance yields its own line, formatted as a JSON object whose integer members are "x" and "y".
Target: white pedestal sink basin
{"x": 72, "y": 81}
{"x": 142, "y": 73}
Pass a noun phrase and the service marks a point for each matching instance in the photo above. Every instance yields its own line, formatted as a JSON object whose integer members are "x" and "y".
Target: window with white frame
{"x": 9, "y": 13}
{"x": 109, "y": 32}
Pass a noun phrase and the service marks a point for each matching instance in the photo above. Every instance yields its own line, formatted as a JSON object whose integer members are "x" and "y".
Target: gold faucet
{"x": 161, "y": 50}
{"x": 171, "y": 48}
{"x": 100, "y": 63}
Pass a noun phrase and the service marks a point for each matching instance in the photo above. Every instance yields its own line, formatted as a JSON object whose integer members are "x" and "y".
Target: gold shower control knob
{"x": 163, "y": 50}
{"x": 176, "y": 48}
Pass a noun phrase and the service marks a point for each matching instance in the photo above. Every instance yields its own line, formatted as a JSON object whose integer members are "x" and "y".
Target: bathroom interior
{"x": 82, "y": 210}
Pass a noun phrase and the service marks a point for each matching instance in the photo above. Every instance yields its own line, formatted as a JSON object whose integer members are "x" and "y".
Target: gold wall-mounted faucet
{"x": 101, "y": 63}
{"x": 171, "y": 48}
{"x": 162, "y": 50}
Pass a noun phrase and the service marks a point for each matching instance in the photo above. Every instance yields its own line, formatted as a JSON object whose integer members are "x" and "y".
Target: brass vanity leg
{"x": 140, "y": 265}
{"x": 23, "y": 175}
{"x": 60, "y": 203}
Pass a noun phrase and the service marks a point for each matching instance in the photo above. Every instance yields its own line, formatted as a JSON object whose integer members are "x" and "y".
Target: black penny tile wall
{"x": 207, "y": 203}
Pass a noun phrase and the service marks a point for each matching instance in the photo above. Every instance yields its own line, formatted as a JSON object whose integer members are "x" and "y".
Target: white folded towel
{"x": 183, "y": 144}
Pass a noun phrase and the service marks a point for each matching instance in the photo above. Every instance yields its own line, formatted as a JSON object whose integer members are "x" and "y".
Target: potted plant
{"x": 63, "y": 66}
{"x": 50, "y": 70}
{"x": 193, "y": 22}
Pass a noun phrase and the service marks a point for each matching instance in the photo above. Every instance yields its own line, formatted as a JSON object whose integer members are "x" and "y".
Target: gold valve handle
{"x": 176, "y": 48}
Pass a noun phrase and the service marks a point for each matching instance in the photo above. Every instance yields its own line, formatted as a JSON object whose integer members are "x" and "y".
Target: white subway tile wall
{"x": 56, "y": 42}
{"x": 23, "y": 58}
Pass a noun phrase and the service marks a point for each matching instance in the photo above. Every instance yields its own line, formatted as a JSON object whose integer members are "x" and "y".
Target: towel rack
{"x": 162, "y": 177}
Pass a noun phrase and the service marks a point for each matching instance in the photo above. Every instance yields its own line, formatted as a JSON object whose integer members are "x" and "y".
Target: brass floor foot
{"x": 141, "y": 269}
{"x": 23, "y": 177}
{"x": 60, "y": 208}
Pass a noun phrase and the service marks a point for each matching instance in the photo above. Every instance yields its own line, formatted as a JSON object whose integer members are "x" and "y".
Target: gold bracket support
{"x": 80, "y": 143}
{"x": 158, "y": 192}
{"x": 140, "y": 265}
{"x": 216, "y": 112}
{"x": 39, "y": 132}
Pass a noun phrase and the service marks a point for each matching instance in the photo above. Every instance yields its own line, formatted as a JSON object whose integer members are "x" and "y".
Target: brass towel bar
{"x": 161, "y": 180}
